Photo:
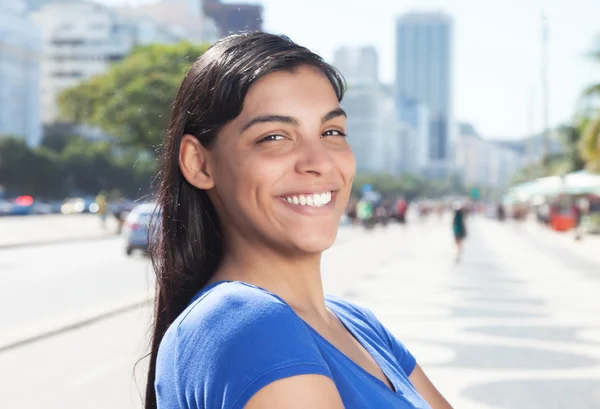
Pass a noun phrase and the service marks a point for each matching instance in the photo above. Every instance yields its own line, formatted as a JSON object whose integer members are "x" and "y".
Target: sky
{"x": 497, "y": 50}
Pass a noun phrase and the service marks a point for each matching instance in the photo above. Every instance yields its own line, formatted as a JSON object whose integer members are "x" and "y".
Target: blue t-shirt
{"x": 234, "y": 339}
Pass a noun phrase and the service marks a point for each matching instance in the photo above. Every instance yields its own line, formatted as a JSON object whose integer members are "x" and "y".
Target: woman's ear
{"x": 194, "y": 162}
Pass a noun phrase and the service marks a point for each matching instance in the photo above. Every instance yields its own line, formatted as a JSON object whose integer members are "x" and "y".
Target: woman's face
{"x": 283, "y": 169}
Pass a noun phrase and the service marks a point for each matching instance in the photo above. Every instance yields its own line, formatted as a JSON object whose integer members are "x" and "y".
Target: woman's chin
{"x": 314, "y": 241}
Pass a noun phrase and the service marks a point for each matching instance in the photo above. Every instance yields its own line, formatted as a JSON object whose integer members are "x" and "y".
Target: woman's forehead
{"x": 305, "y": 89}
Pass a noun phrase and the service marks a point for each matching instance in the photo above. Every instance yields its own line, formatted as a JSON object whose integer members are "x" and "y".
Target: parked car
{"x": 22, "y": 206}
{"x": 141, "y": 226}
{"x": 79, "y": 205}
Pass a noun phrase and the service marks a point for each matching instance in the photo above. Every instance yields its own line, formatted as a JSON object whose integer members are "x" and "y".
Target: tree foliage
{"x": 23, "y": 168}
{"x": 590, "y": 144}
{"x": 79, "y": 168}
{"x": 408, "y": 185}
{"x": 131, "y": 101}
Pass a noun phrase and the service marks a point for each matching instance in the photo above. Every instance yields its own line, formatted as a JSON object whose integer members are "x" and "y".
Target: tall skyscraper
{"x": 358, "y": 65}
{"x": 372, "y": 132}
{"x": 424, "y": 73}
{"x": 20, "y": 59}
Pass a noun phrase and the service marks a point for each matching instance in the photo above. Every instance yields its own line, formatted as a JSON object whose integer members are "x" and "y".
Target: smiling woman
{"x": 256, "y": 175}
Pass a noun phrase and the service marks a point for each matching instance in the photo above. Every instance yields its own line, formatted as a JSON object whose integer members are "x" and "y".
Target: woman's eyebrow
{"x": 271, "y": 118}
{"x": 333, "y": 114}
{"x": 291, "y": 120}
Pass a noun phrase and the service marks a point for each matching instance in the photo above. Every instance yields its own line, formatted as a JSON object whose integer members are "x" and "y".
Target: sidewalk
{"x": 588, "y": 246}
{"x": 49, "y": 229}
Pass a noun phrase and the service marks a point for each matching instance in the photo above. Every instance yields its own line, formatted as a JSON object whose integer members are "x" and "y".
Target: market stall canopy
{"x": 576, "y": 183}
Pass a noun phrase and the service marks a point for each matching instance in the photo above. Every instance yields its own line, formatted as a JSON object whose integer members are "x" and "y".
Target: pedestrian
{"x": 255, "y": 177}
{"x": 459, "y": 228}
{"x": 401, "y": 208}
{"x": 102, "y": 208}
{"x": 364, "y": 212}
{"x": 500, "y": 212}
{"x": 577, "y": 216}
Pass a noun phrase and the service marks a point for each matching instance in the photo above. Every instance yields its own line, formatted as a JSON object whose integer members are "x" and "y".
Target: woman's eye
{"x": 333, "y": 132}
{"x": 271, "y": 138}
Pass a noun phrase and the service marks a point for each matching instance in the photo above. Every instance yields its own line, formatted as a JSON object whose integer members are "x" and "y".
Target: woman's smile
{"x": 310, "y": 204}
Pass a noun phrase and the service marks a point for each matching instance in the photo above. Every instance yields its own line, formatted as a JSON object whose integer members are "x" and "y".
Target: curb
{"x": 80, "y": 323}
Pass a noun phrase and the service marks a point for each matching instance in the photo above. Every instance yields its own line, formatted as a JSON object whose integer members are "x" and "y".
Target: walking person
{"x": 459, "y": 228}
{"x": 255, "y": 176}
{"x": 401, "y": 209}
{"x": 102, "y": 208}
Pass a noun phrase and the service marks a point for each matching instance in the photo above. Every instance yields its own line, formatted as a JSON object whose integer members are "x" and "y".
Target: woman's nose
{"x": 314, "y": 157}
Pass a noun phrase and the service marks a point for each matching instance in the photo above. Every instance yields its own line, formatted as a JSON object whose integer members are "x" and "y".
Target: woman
{"x": 256, "y": 175}
{"x": 459, "y": 228}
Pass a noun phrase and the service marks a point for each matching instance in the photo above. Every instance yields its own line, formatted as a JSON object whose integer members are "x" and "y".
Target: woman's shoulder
{"x": 232, "y": 340}
{"x": 229, "y": 309}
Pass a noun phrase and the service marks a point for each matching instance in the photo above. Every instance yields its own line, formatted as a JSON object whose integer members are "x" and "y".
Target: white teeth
{"x": 313, "y": 200}
{"x": 317, "y": 200}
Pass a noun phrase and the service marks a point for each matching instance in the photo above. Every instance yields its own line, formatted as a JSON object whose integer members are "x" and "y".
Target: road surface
{"x": 514, "y": 325}
{"x": 19, "y": 231}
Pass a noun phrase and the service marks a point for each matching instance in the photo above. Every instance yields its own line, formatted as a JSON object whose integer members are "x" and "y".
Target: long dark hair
{"x": 188, "y": 248}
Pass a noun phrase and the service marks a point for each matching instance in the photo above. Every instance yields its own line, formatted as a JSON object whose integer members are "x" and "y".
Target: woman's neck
{"x": 297, "y": 280}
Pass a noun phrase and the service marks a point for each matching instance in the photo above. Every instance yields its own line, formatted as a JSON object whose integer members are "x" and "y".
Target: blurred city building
{"x": 81, "y": 39}
{"x": 35, "y": 5}
{"x": 234, "y": 17}
{"x": 20, "y": 59}
{"x": 532, "y": 147}
{"x": 368, "y": 132}
{"x": 373, "y": 130}
{"x": 424, "y": 53}
{"x": 358, "y": 65}
{"x": 485, "y": 163}
{"x": 183, "y": 17}
{"x": 416, "y": 142}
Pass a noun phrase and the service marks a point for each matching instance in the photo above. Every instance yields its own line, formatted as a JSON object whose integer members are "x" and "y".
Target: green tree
{"x": 58, "y": 135}
{"x": 570, "y": 159}
{"x": 408, "y": 185}
{"x": 590, "y": 144}
{"x": 131, "y": 101}
{"x": 27, "y": 171}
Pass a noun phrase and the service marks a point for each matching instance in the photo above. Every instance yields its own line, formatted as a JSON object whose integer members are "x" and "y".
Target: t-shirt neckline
{"x": 372, "y": 352}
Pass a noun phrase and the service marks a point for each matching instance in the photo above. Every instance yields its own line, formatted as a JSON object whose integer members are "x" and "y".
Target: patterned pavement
{"x": 515, "y": 324}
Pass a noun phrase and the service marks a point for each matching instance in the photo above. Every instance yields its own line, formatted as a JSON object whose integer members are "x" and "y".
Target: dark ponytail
{"x": 188, "y": 249}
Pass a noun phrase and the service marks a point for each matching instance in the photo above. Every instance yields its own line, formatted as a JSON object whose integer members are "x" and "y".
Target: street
{"x": 513, "y": 325}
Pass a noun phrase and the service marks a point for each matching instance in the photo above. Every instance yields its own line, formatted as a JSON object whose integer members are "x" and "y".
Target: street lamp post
{"x": 545, "y": 93}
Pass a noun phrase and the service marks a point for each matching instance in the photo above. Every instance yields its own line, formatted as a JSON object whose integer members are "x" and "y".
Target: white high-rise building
{"x": 20, "y": 54}
{"x": 81, "y": 39}
{"x": 374, "y": 132}
{"x": 366, "y": 127}
{"x": 424, "y": 49}
{"x": 185, "y": 17}
{"x": 358, "y": 65}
